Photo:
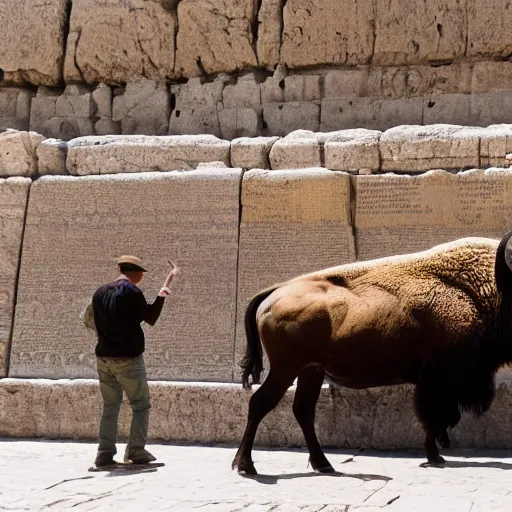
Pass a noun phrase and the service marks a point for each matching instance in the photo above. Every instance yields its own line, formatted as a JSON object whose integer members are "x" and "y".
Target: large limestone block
{"x": 421, "y": 148}
{"x": 488, "y": 76}
{"x": 118, "y": 41}
{"x": 51, "y": 155}
{"x": 18, "y": 153}
{"x": 270, "y": 19}
{"x": 15, "y": 108}
{"x": 32, "y": 41}
{"x": 143, "y": 108}
{"x": 411, "y": 32}
{"x": 13, "y": 201}
{"x": 195, "y": 121}
{"x": 495, "y": 145}
{"x": 252, "y": 152}
{"x": 282, "y": 118}
{"x": 327, "y": 32}
{"x": 447, "y": 108}
{"x": 238, "y": 122}
{"x": 489, "y": 28}
{"x": 352, "y": 150}
{"x": 493, "y": 107}
{"x": 370, "y": 113}
{"x": 398, "y": 214}
{"x": 298, "y": 150}
{"x": 292, "y": 222}
{"x": 139, "y": 153}
{"x": 76, "y": 227}
{"x": 215, "y": 36}
{"x": 43, "y": 109}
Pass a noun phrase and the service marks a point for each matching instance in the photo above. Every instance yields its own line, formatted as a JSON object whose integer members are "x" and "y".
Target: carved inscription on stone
{"x": 76, "y": 227}
{"x": 13, "y": 199}
{"x": 402, "y": 214}
{"x": 293, "y": 222}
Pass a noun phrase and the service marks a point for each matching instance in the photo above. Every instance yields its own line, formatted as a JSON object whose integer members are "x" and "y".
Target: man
{"x": 119, "y": 308}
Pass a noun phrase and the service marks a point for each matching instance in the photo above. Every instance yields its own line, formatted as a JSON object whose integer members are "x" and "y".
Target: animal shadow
{"x": 273, "y": 479}
{"x": 468, "y": 464}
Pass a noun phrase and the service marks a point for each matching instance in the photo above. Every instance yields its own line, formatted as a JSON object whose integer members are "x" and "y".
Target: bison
{"x": 440, "y": 319}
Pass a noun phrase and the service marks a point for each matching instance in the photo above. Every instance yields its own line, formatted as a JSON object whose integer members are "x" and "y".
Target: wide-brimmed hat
{"x": 131, "y": 263}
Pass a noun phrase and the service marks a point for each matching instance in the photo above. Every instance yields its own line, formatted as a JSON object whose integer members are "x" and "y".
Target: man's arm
{"x": 148, "y": 313}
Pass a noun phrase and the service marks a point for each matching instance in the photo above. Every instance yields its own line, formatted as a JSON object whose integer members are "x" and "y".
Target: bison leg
{"x": 309, "y": 385}
{"x": 452, "y": 418}
{"x": 435, "y": 410}
{"x": 261, "y": 403}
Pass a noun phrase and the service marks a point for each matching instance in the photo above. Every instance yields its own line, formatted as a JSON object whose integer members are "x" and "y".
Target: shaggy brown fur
{"x": 434, "y": 319}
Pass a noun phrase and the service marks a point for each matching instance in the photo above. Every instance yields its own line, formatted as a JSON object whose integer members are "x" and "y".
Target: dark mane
{"x": 503, "y": 281}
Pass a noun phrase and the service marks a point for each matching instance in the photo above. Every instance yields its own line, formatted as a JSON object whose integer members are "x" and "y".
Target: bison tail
{"x": 252, "y": 363}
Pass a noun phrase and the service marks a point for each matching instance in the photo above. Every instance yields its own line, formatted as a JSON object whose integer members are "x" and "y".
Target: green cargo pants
{"x": 118, "y": 374}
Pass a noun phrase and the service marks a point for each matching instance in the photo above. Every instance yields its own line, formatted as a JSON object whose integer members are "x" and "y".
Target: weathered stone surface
{"x": 352, "y": 150}
{"x": 332, "y": 32}
{"x": 43, "y": 109}
{"x": 238, "y": 122}
{"x": 495, "y": 144}
{"x": 493, "y": 107}
{"x": 346, "y": 83}
{"x": 139, "y": 153}
{"x": 102, "y": 101}
{"x": 143, "y": 108}
{"x": 412, "y": 32}
{"x": 75, "y": 102}
{"x": 488, "y": 76}
{"x": 299, "y": 149}
{"x": 51, "y": 154}
{"x": 447, "y": 108}
{"x": 272, "y": 89}
{"x": 68, "y": 128}
{"x": 32, "y": 41}
{"x": 292, "y": 222}
{"x": 270, "y": 20}
{"x": 244, "y": 94}
{"x": 13, "y": 200}
{"x": 195, "y": 121}
{"x": 105, "y": 126}
{"x": 302, "y": 88}
{"x": 195, "y": 93}
{"x": 115, "y": 41}
{"x": 488, "y": 28}
{"x": 410, "y": 81}
{"x": 370, "y": 113}
{"x": 284, "y": 118}
{"x": 74, "y": 224}
{"x": 402, "y": 214}
{"x": 252, "y": 153}
{"x": 215, "y": 36}
{"x": 15, "y": 108}
{"x": 420, "y": 148}
{"x": 18, "y": 153}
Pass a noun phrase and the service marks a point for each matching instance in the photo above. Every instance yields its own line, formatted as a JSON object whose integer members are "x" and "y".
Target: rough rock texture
{"x": 411, "y": 32}
{"x": 32, "y": 41}
{"x": 495, "y": 145}
{"x": 116, "y": 41}
{"x": 284, "y": 118}
{"x": 488, "y": 28}
{"x": 143, "y": 108}
{"x": 352, "y": 150}
{"x": 377, "y": 418}
{"x": 18, "y": 153}
{"x": 402, "y": 214}
{"x": 75, "y": 224}
{"x": 51, "y": 155}
{"x": 327, "y": 32}
{"x": 293, "y": 221}
{"x": 300, "y": 149}
{"x": 238, "y": 122}
{"x": 13, "y": 200}
{"x": 140, "y": 153}
{"x": 215, "y": 36}
{"x": 269, "y": 32}
{"x": 252, "y": 153}
{"x": 15, "y": 108}
{"x": 420, "y": 148}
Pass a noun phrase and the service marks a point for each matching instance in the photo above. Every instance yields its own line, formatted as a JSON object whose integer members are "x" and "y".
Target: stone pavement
{"x": 52, "y": 475}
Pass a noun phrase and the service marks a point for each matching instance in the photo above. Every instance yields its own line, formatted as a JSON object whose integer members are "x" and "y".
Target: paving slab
{"x": 46, "y": 475}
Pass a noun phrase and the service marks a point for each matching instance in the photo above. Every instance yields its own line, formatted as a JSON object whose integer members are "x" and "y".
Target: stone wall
{"x": 253, "y": 67}
{"x": 323, "y": 199}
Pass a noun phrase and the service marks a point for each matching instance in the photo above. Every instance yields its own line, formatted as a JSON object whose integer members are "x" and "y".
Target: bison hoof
{"x": 244, "y": 468}
{"x": 326, "y": 469}
{"x": 436, "y": 460}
